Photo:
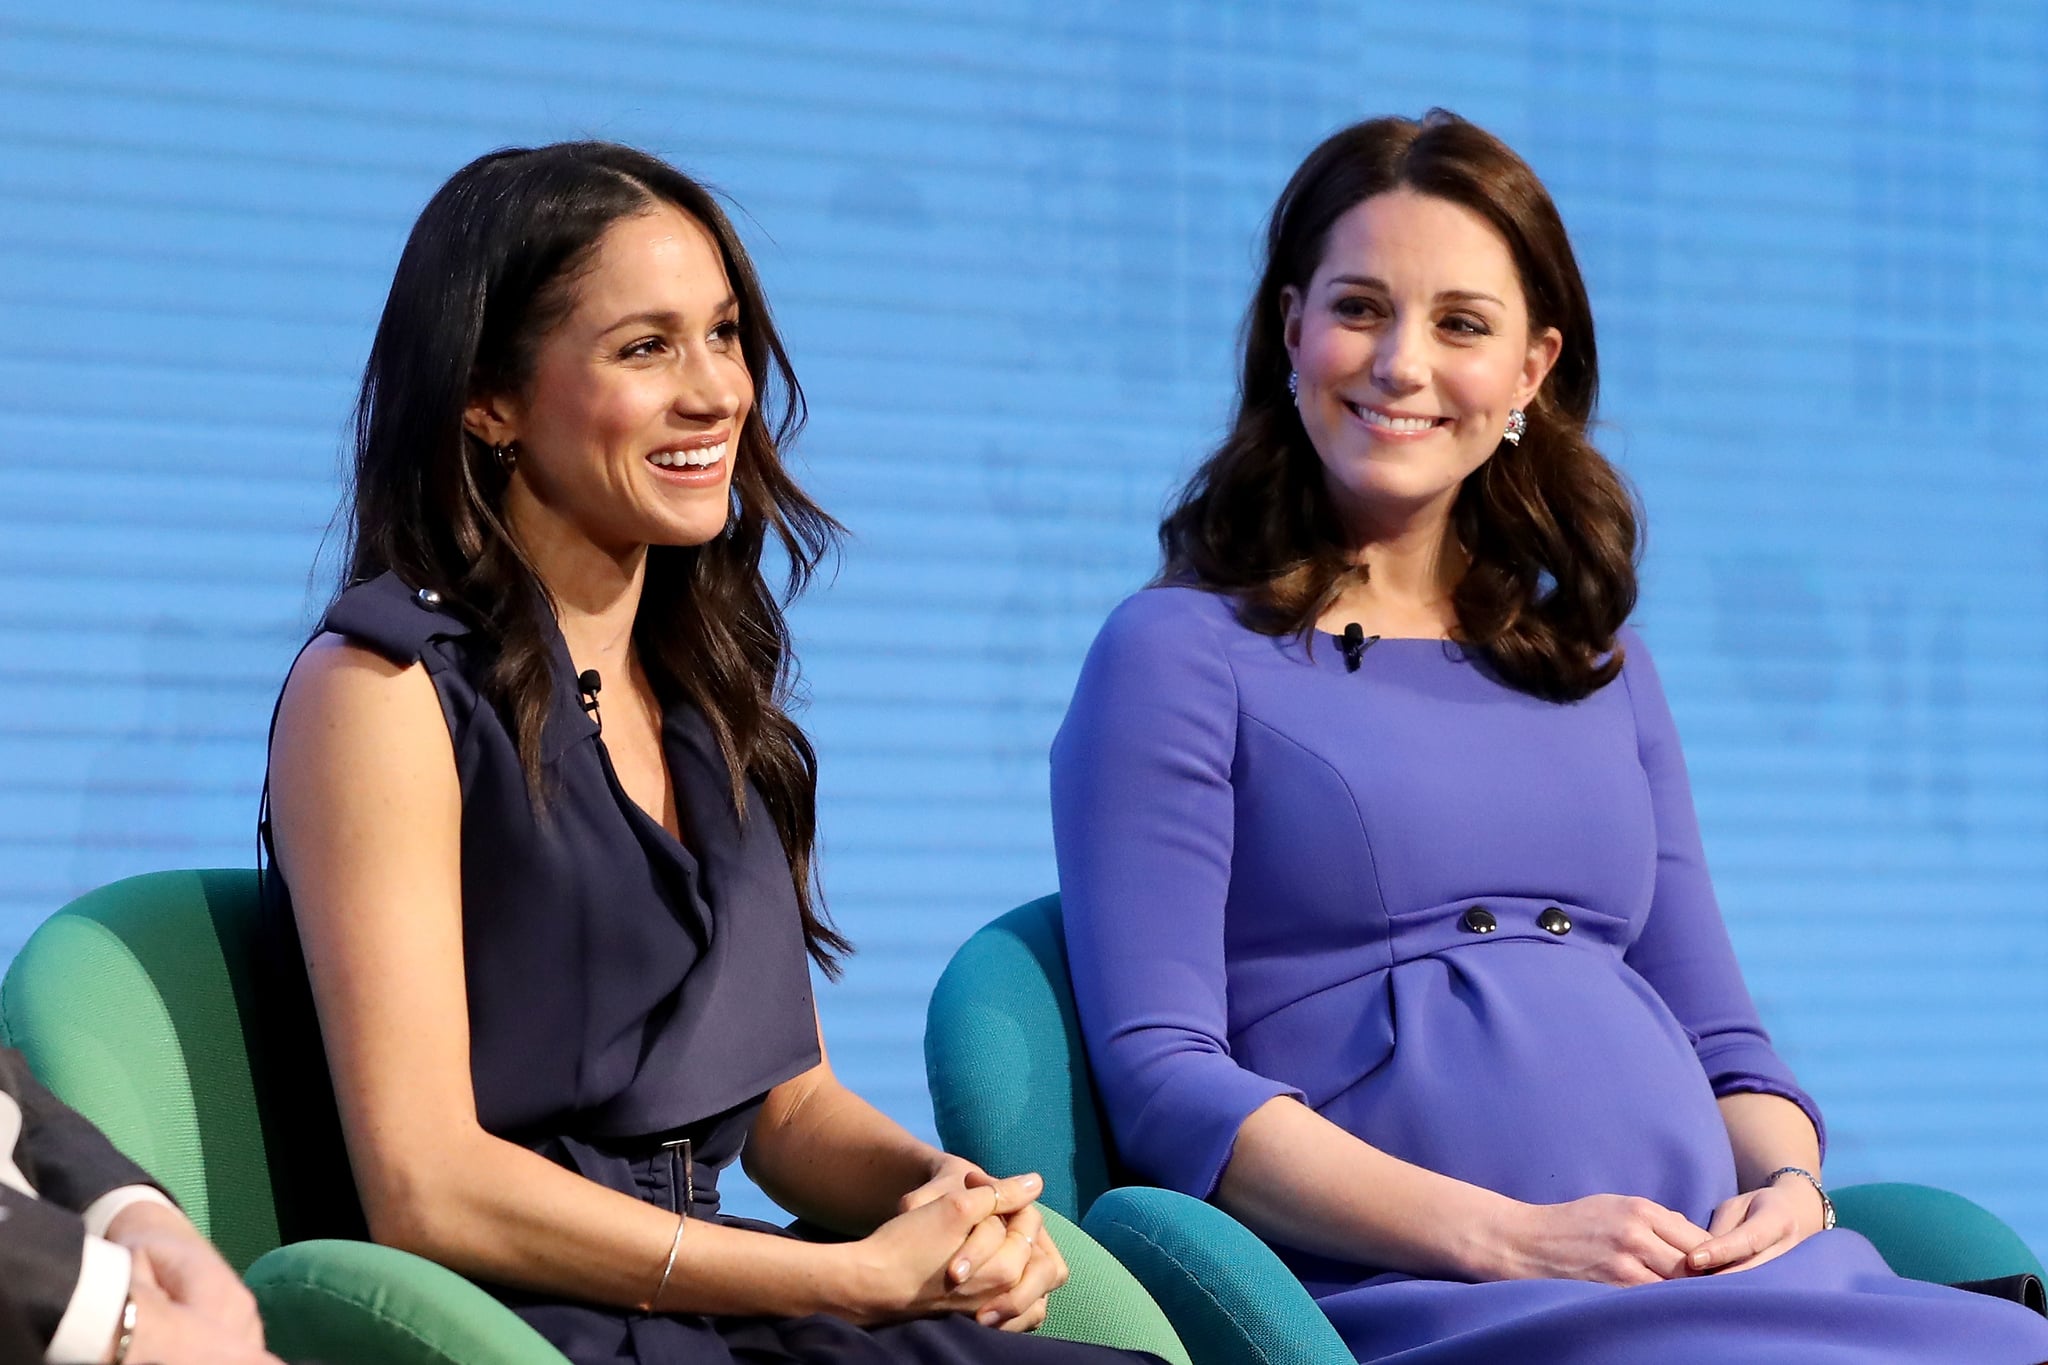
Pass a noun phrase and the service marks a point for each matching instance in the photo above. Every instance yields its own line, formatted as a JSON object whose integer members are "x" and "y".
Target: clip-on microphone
{"x": 1354, "y": 643}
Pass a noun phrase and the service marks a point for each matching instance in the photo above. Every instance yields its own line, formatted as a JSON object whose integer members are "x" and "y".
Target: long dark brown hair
{"x": 489, "y": 269}
{"x": 1550, "y": 530}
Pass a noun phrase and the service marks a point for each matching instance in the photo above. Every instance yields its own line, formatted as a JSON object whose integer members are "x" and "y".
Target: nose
{"x": 1398, "y": 364}
{"x": 705, "y": 388}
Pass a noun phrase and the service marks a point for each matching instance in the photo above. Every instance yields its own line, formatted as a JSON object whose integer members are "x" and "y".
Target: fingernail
{"x": 987, "y": 1317}
{"x": 1032, "y": 1182}
{"x": 961, "y": 1269}
{"x": 1698, "y": 1259}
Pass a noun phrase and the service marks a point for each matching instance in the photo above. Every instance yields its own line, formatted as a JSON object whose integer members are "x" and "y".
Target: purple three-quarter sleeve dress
{"x": 1473, "y": 928}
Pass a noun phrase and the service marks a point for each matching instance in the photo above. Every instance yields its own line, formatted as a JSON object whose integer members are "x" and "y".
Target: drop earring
{"x": 1293, "y": 384}
{"x": 1518, "y": 422}
{"x": 507, "y": 455}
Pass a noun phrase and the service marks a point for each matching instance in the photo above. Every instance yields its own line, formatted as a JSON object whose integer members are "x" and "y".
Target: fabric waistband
{"x": 1462, "y": 924}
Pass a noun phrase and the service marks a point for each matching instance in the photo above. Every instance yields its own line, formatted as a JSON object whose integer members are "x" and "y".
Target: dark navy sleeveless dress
{"x": 632, "y": 998}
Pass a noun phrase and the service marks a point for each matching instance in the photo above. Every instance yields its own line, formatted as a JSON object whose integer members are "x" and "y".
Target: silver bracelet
{"x": 1827, "y": 1205}
{"x": 125, "y": 1338}
{"x": 674, "y": 1245}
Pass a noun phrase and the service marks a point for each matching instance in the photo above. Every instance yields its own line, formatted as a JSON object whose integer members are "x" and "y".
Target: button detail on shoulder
{"x": 428, "y": 598}
{"x": 1479, "y": 920}
{"x": 1554, "y": 920}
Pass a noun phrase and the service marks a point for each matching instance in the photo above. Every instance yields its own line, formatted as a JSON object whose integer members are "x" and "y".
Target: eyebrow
{"x": 662, "y": 317}
{"x": 1451, "y": 295}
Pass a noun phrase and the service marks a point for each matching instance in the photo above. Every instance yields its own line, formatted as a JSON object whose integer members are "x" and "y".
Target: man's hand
{"x": 167, "y": 1333}
{"x": 173, "y": 1260}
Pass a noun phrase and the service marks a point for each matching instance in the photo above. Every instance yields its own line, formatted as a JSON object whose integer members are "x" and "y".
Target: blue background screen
{"x": 1010, "y": 243}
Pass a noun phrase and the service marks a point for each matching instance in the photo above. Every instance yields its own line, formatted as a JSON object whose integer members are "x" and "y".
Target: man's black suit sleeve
{"x": 42, "y": 1247}
{"x": 69, "y": 1164}
{"x": 68, "y": 1161}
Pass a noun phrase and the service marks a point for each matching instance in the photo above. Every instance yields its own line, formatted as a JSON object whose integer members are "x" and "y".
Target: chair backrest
{"x": 138, "y": 1005}
{"x": 1003, "y": 1056}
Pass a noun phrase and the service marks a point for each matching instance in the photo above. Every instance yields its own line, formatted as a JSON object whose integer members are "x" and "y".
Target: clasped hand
{"x": 190, "y": 1307}
{"x": 1622, "y": 1239}
{"x": 966, "y": 1242}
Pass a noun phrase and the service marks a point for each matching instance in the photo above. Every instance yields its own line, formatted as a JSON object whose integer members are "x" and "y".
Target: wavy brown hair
{"x": 490, "y": 267}
{"x": 1549, "y": 528}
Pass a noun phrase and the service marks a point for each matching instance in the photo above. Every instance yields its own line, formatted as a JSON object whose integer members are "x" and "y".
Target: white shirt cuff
{"x": 94, "y": 1314}
{"x": 100, "y": 1212}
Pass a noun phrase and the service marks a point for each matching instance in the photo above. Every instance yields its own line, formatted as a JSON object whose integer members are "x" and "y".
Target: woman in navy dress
{"x": 547, "y": 830}
{"x": 1388, "y": 918}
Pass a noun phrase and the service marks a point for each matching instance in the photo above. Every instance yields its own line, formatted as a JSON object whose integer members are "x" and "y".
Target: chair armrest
{"x": 1228, "y": 1296}
{"x": 357, "y": 1303}
{"x": 1102, "y": 1302}
{"x": 1928, "y": 1234}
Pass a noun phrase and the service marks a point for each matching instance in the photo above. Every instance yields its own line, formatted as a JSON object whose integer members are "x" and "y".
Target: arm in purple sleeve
{"x": 1143, "y": 822}
{"x": 1684, "y": 951}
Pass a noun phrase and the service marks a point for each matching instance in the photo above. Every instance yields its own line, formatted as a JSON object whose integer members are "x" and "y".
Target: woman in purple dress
{"x": 1389, "y": 923}
{"x": 556, "y": 937}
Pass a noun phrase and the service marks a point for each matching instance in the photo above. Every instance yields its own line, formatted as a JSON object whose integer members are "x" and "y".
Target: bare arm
{"x": 1769, "y": 1132}
{"x": 367, "y": 816}
{"x": 1297, "y": 1178}
{"x": 825, "y": 1154}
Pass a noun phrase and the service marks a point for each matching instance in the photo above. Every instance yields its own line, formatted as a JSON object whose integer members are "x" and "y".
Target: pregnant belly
{"x": 1545, "y": 1071}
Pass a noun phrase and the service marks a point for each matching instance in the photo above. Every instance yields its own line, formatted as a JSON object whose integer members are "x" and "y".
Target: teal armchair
{"x": 135, "y": 1005}
{"x": 1011, "y": 1090}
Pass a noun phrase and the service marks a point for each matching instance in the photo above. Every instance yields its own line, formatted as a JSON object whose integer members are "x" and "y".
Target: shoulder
{"x": 354, "y": 692}
{"x": 1638, "y": 669}
{"x": 385, "y": 615}
{"x": 1169, "y": 622}
{"x": 1163, "y": 653}
{"x": 372, "y": 660}
{"x": 1644, "y": 692}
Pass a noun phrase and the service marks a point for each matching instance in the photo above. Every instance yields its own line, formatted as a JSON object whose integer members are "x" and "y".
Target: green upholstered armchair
{"x": 1011, "y": 1090}
{"x": 134, "y": 1005}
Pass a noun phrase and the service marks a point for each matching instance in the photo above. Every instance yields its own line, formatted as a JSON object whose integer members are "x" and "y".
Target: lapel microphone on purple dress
{"x": 1354, "y": 643}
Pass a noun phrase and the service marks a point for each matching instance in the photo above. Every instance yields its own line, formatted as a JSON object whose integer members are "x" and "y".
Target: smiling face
{"x": 1412, "y": 343}
{"x": 629, "y": 423}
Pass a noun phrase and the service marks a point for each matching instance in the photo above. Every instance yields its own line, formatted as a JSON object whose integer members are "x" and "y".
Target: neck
{"x": 596, "y": 589}
{"x": 1413, "y": 563}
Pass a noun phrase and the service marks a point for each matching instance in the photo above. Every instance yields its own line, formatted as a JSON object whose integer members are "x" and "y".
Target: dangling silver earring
{"x": 1293, "y": 384}
{"x": 1518, "y": 422}
{"x": 507, "y": 455}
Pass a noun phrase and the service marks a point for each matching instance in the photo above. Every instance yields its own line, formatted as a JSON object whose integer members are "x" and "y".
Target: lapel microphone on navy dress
{"x": 589, "y": 684}
{"x": 1354, "y": 643}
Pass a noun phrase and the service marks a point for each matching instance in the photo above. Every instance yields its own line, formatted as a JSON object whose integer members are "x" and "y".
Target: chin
{"x": 684, "y": 537}
{"x": 1394, "y": 488}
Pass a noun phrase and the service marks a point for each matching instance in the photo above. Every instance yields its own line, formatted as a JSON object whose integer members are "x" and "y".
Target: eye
{"x": 1358, "y": 308}
{"x": 1466, "y": 325}
{"x": 726, "y": 333}
{"x": 645, "y": 346}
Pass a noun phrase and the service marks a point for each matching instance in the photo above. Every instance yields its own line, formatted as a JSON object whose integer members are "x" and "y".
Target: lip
{"x": 709, "y": 438}
{"x": 1358, "y": 413}
{"x": 700, "y": 476}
